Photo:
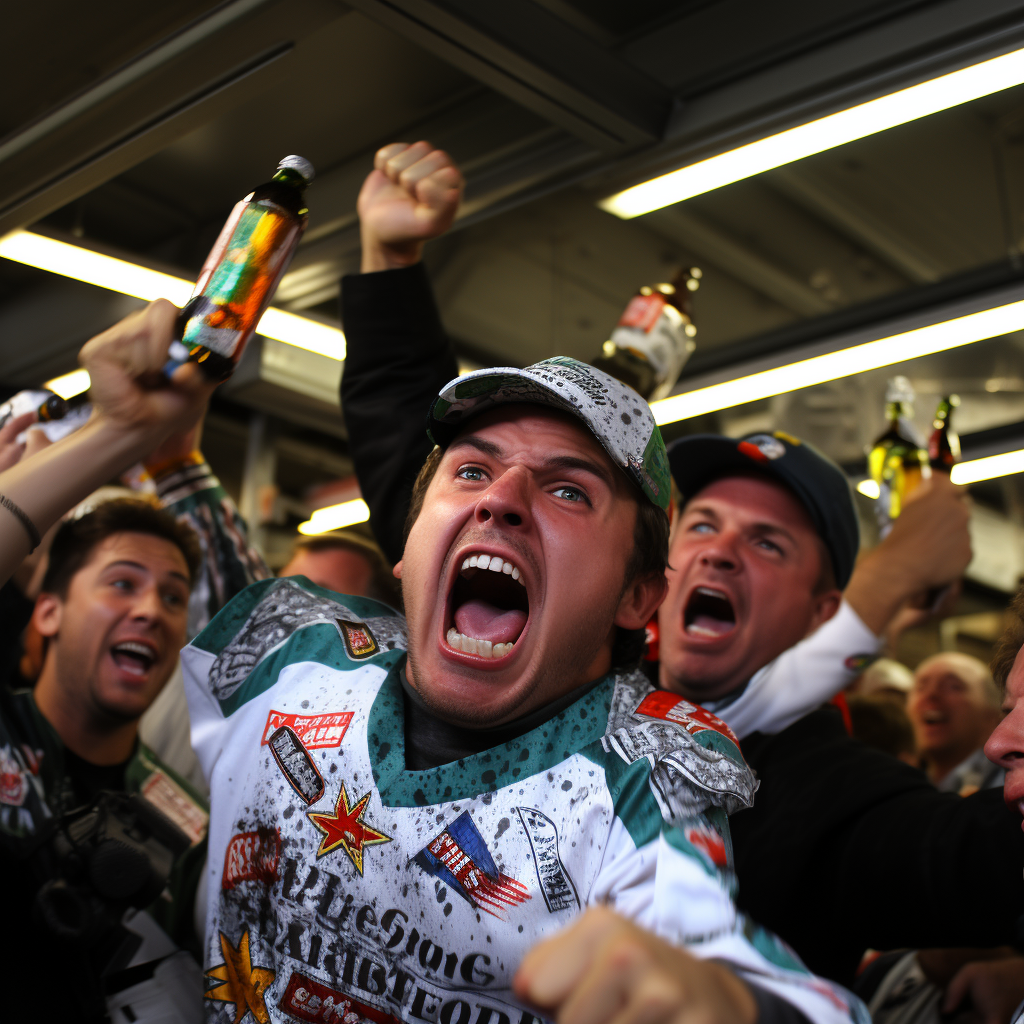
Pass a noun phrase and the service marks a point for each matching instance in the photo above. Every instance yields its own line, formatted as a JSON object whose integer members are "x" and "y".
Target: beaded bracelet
{"x": 30, "y": 527}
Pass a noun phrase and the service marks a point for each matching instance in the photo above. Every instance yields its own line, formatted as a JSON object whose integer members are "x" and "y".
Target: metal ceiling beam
{"x": 799, "y": 184}
{"x": 238, "y": 50}
{"x": 738, "y": 261}
{"x": 535, "y": 58}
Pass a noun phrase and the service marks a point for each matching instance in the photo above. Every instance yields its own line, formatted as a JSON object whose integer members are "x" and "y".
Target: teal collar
{"x": 580, "y": 724}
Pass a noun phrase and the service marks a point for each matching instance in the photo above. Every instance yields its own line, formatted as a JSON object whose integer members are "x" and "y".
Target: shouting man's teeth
{"x": 470, "y": 645}
{"x": 492, "y": 562}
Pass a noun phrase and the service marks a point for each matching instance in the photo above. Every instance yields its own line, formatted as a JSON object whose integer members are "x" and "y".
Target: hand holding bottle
{"x": 411, "y": 196}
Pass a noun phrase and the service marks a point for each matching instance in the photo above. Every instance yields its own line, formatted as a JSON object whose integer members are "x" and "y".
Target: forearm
{"x": 877, "y": 590}
{"x": 54, "y": 480}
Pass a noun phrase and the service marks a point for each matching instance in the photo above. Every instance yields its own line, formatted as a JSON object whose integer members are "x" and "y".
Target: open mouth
{"x": 134, "y": 657}
{"x": 709, "y": 612}
{"x": 489, "y": 606}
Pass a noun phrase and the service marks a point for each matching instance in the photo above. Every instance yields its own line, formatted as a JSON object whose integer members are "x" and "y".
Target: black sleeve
{"x": 773, "y": 1009}
{"x": 847, "y": 848}
{"x": 398, "y": 358}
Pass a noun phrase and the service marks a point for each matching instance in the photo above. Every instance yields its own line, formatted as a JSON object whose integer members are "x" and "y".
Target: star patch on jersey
{"x": 359, "y": 641}
{"x": 240, "y": 982}
{"x": 346, "y": 828}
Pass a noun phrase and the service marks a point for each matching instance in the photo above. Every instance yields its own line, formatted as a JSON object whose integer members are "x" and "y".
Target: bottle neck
{"x": 289, "y": 176}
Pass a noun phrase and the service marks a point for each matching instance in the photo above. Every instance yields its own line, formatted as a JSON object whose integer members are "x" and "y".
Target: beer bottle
{"x": 944, "y": 444}
{"x": 897, "y": 461}
{"x": 241, "y": 273}
{"x": 45, "y": 404}
{"x": 654, "y": 338}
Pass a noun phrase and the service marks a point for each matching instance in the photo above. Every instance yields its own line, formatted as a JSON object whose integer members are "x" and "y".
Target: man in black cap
{"x": 761, "y": 551}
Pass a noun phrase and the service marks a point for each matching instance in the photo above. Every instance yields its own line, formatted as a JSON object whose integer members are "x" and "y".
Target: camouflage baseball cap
{"x": 614, "y": 413}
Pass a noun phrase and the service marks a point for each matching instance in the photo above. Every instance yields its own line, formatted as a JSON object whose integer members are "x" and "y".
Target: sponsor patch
{"x": 460, "y": 858}
{"x": 359, "y": 641}
{"x": 293, "y": 759}
{"x": 315, "y": 732}
{"x": 692, "y": 717}
{"x": 252, "y": 857}
{"x": 555, "y": 884}
{"x": 769, "y": 448}
{"x": 309, "y": 1000}
{"x": 859, "y": 662}
{"x": 172, "y": 801}
{"x": 13, "y": 787}
{"x": 710, "y": 842}
{"x": 239, "y": 981}
{"x": 345, "y": 828}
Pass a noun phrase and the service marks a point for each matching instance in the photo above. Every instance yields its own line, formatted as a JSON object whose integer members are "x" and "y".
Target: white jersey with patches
{"x": 345, "y": 888}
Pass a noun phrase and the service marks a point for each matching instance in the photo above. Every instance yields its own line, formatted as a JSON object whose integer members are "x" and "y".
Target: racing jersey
{"x": 344, "y": 887}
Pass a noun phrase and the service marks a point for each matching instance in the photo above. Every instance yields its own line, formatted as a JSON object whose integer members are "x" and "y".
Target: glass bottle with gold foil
{"x": 897, "y": 461}
{"x": 944, "y": 443}
{"x": 654, "y": 337}
{"x": 47, "y": 406}
{"x": 241, "y": 273}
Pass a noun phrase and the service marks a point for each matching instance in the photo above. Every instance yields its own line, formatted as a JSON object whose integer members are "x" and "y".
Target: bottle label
{"x": 643, "y": 311}
{"x": 665, "y": 345}
{"x": 222, "y": 340}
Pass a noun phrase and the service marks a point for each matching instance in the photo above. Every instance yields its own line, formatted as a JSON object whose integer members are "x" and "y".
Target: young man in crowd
{"x": 112, "y": 611}
{"x": 345, "y": 879}
{"x": 954, "y": 707}
{"x": 768, "y": 527}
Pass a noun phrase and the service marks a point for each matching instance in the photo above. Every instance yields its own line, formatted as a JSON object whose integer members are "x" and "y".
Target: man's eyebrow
{"x": 480, "y": 444}
{"x": 145, "y": 568}
{"x": 587, "y": 465}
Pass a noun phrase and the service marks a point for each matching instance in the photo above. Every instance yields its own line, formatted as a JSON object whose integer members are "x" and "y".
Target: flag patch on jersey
{"x": 672, "y": 708}
{"x": 252, "y": 857}
{"x": 346, "y": 829}
{"x": 555, "y": 884}
{"x": 459, "y": 857}
{"x": 293, "y": 759}
{"x": 315, "y": 732}
{"x": 709, "y": 842}
{"x": 309, "y": 1000}
{"x": 359, "y": 641}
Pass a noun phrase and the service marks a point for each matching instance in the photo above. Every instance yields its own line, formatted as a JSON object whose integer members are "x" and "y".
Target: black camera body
{"x": 103, "y": 859}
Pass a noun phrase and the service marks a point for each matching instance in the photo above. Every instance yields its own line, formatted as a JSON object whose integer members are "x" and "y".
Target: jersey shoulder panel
{"x": 693, "y": 759}
{"x": 304, "y": 622}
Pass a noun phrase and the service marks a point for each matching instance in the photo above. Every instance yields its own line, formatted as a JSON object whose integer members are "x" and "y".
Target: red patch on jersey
{"x": 314, "y": 731}
{"x": 311, "y": 1001}
{"x": 708, "y": 840}
{"x": 252, "y": 857}
{"x": 692, "y": 717}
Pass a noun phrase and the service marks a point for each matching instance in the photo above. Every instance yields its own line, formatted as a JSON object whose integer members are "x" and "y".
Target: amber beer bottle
{"x": 654, "y": 338}
{"x": 897, "y": 461}
{"x": 45, "y": 404}
{"x": 944, "y": 444}
{"x": 241, "y": 273}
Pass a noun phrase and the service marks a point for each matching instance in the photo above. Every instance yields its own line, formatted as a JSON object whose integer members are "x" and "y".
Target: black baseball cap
{"x": 819, "y": 484}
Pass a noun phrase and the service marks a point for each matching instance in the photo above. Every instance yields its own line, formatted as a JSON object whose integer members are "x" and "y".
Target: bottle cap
{"x": 899, "y": 389}
{"x": 299, "y": 164}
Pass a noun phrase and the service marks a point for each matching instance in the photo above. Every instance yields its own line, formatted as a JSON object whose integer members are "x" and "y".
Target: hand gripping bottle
{"x": 654, "y": 338}
{"x": 241, "y": 273}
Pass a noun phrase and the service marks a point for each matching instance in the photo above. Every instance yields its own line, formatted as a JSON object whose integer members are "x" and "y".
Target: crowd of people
{"x": 596, "y": 732}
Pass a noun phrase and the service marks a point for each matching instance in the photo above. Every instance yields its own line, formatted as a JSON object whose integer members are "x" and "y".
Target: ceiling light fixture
{"x": 335, "y": 517}
{"x": 869, "y": 488}
{"x": 69, "y": 384}
{"x": 992, "y": 466}
{"x": 805, "y": 373}
{"x": 865, "y": 119}
{"x": 104, "y": 271}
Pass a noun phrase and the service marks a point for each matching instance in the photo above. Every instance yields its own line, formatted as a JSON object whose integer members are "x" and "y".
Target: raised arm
{"x": 135, "y": 408}
{"x": 398, "y": 354}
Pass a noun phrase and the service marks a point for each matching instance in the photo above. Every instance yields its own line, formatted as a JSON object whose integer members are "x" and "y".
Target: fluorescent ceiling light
{"x": 335, "y": 517}
{"x": 923, "y": 341}
{"x": 70, "y": 384}
{"x": 986, "y": 469}
{"x": 869, "y": 488}
{"x": 816, "y": 136}
{"x": 142, "y": 283}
